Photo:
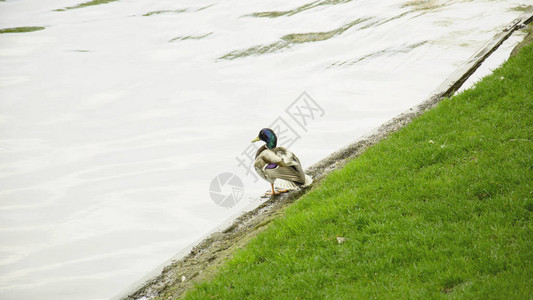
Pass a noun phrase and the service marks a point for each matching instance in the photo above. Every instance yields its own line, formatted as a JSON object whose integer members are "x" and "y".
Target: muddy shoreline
{"x": 203, "y": 261}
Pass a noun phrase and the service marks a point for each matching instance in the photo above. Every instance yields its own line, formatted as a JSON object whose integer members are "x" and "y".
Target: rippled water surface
{"x": 116, "y": 115}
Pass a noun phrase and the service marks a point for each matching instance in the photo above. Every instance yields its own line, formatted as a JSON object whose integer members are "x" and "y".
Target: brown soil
{"x": 526, "y": 41}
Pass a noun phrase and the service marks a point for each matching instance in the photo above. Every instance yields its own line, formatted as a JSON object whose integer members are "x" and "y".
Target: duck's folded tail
{"x": 308, "y": 180}
{"x": 282, "y": 184}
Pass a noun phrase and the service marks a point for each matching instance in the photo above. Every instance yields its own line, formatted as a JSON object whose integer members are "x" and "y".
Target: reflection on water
{"x": 116, "y": 118}
{"x": 176, "y": 11}
{"x": 424, "y": 4}
{"x": 157, "y": 12}
{"x": 21, "y": 29}
{"x": 385, "y": 52}
{"x": 298, "y": 38}
{"x": 290, "y": 39}
{"x": 188, "y": 37}
{"x": 85, "y": 4}
{"x": 275, "y": 14}
{"x": 522, "y": 7}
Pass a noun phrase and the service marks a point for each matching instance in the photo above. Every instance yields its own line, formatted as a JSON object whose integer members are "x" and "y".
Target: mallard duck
{"x": 278, "y": 165}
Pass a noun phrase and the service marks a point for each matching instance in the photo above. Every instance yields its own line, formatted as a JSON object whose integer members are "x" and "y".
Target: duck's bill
{"x": 255, "y": 140}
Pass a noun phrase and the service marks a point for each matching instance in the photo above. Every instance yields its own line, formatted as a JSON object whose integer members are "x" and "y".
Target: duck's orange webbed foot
{"x": 274, "y": 191}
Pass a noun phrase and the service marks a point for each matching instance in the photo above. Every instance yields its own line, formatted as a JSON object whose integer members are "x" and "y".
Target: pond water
{"x": 116, "y": 117}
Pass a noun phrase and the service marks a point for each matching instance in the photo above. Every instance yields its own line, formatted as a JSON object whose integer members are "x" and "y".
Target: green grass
{"x": 21, "y": 29}
{"x": 85, "y": 4}
{"x": 441, "y": 209}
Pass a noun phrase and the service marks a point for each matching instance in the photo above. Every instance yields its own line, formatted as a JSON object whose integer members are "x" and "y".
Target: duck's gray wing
{"x": 291, "y": 161}
{"x": 286, "y": 157}
{"x": 279, "y": 163}
{"x": 286, "y": 173}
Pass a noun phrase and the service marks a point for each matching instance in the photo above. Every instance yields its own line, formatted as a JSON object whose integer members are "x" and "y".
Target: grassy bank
{"x": 442, "y": 208}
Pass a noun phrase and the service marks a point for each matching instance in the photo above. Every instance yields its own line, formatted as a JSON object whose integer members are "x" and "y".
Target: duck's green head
{"x": 268, "y": 136}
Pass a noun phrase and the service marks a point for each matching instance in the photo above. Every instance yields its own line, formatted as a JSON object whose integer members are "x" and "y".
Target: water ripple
{"x": 21, "y": 29}
{"x": 176, "y": 11}
{"x": 290, "y": 39}
{"x": 275, "y": 14}
{"x": 157, "y": 12}
{"x": 423, "y": 4}
{"x": 389, "y": 51}
{"x": 85, "y": 4}
{"x": 190, "y": 37}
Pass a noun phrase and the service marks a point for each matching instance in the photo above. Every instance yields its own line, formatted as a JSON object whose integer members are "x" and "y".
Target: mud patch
{"x": 528, "y": 39}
